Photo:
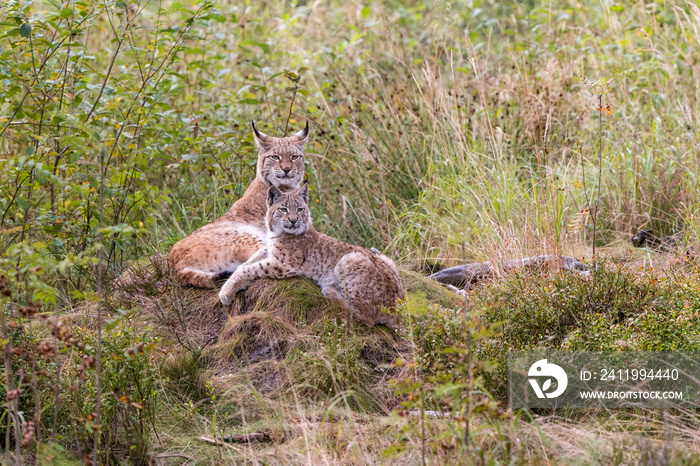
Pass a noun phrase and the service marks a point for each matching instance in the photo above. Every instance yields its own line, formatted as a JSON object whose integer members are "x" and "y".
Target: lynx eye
{"x": 276, "y": 158}
{"x": 284, "y": 210}
{"x": 295, "y": 157}
{"x": 300, "y": 210}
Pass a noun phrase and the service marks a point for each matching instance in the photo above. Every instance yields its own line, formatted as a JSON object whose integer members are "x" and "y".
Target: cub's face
{"x": 281, "y": 160}
{"x": 288, "y": 212}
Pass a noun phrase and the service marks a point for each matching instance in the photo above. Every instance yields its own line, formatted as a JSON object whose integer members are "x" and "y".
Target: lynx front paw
{"x": 228, "y": 293}
{"x": 225, "y": 297}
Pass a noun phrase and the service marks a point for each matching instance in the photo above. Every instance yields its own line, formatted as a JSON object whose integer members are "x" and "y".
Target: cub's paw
{"x": 226, "y": 297}
{"x": 230, "y": 289}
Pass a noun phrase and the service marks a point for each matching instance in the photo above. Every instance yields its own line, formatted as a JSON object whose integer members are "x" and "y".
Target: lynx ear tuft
{"x": 302, "y": 136}
{"x": 273, "y": 194}
{"x": 262, "y": 140}
{"x": 304, "y": 192}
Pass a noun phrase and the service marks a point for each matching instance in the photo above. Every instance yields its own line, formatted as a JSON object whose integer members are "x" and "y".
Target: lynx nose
{"x": 293, "y": 219}
{"x": 286, "y": 170}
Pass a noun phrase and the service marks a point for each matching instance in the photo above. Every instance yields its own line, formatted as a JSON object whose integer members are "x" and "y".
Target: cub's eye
{"x": 284, "y": 210}
{"x": 300, "y": 210}
{"x": 276, "y": 158}
{"x": 295, "y": 157}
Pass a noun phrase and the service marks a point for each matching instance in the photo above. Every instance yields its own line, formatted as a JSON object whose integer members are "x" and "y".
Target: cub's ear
{"x": 302, "y": 136}
{"x": 262, "y": 140}
{"x": 304, "y": 192}
{"x": 273, "y": 194}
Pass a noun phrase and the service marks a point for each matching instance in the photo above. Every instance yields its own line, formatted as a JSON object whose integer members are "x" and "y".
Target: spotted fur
{"x": 223, "y": 245}
{"x": 365, "y": 282}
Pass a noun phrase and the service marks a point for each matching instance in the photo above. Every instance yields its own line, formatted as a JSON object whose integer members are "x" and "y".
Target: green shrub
{"x": 130, "y": 392}
{"x": 615, "y": 310}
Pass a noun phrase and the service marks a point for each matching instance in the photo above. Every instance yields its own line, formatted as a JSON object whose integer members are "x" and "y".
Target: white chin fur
{"x": 288, "y": 183}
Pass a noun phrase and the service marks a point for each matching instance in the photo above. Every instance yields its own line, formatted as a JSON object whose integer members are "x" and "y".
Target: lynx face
{"x": 281, "y": 160}
{"x": 288, "y": 212}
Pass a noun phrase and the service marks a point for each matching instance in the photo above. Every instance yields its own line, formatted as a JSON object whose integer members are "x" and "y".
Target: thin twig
{"x": 104, "y": 83}
{"x": 100, "y": 265}
{"x": 9, "y": 382}
{"x": 37, "y": 400}
{"x": 291, "y": 106}
{"x": 600, "y": 168}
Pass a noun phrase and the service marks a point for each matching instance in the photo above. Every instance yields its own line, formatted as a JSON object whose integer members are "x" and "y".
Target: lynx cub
{"x": 221, "y": 246}
{"x": 361, "y": 280}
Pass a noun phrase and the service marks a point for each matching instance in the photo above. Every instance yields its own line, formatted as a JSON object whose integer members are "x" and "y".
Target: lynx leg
{"x": 240, "y": 280}
{"x": 196, "y": 278}
{"x": 201, "y": 257}
{"x": 368, "y": 288}
{"x": 247, "y": 274}
{"x": 258, "y": 256}
{"x": 332, "y": 292}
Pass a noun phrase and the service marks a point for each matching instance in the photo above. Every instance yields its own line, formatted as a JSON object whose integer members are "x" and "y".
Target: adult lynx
{"x": 361, "y": 280}
{"x": 221, "y": 246}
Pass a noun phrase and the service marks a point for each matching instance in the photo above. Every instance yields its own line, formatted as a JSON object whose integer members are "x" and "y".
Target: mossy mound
{"x": 279, "y": 335}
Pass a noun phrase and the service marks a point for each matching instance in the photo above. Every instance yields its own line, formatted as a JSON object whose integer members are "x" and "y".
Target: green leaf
{"x": 265, "y": 47}
{"x": 292, "y": 76}
{"x": 25, "y": 30}
{"x": 617, "y": 8}
{"x": 366, "y": 11}
{"x": 66, "y": 12}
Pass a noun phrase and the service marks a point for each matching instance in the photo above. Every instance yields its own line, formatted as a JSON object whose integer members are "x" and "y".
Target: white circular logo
{"x": 543, "y": 369}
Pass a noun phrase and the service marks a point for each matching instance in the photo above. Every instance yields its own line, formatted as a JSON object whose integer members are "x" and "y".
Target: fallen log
{"x": 220, "y": 443}
{"x": 247, "y": 438}
{"x": 464, "y": 276}
{"x": 240, "y": 438}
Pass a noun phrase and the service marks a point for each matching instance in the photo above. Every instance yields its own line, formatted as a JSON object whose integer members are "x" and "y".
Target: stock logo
{"x": 543, "y": 369}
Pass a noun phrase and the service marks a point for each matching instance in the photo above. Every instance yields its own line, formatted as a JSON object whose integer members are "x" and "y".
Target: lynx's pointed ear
{"x": 273, "y": 194}
{"x": 262, "y": 140}
{"x": 304, "y": 192}
{"x": 302, "y": 136}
